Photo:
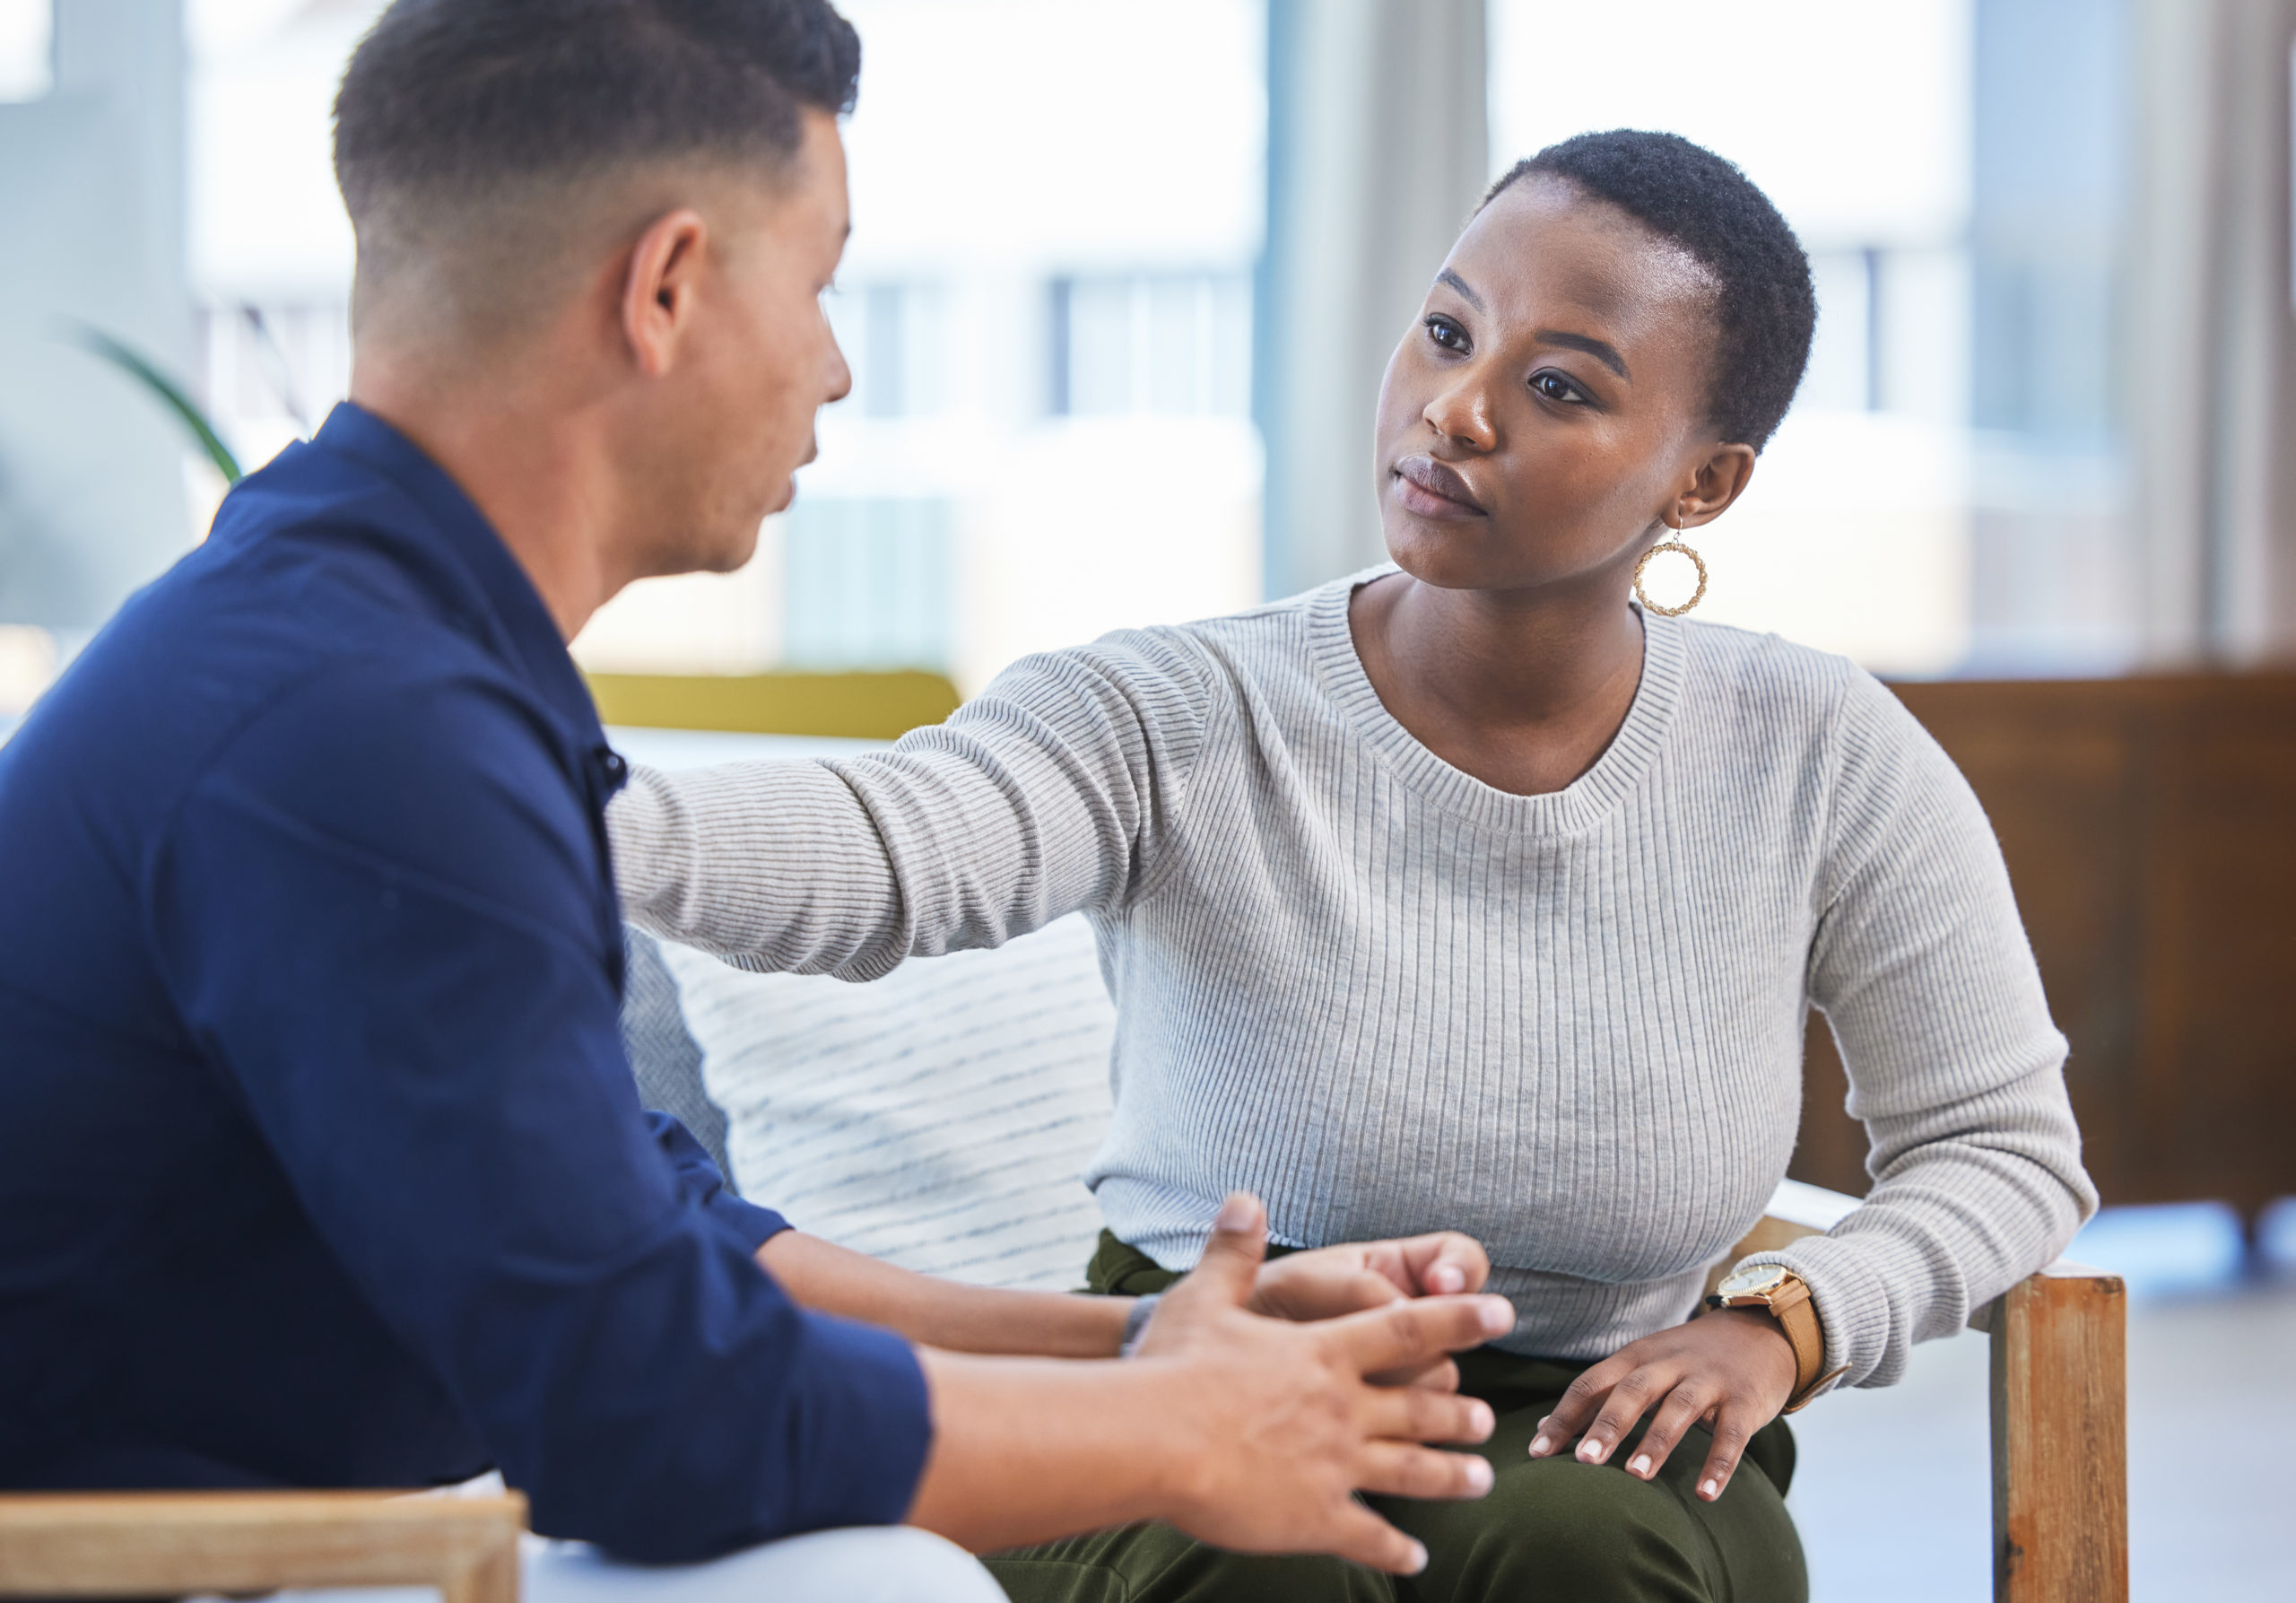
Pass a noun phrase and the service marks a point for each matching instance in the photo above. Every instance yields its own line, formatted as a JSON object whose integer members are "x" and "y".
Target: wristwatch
{"x": 1787, "y": 1296}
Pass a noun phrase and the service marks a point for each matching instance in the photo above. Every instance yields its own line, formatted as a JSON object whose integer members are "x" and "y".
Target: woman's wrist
{"x": 1135, "y": 1324}
{"x": 1759, "y": 1318}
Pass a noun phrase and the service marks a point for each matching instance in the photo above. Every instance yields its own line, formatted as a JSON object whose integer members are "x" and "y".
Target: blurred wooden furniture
{"x": 2150, "y": 830}
{"x": 171, "y": 1544}
{"x": 2060, "y": 1416}
{"x": 860, "y": 706}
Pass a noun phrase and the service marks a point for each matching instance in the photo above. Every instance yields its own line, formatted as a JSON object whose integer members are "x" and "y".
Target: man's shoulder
{"x": 288, "y": 658}
{"x": 230, "y": 637}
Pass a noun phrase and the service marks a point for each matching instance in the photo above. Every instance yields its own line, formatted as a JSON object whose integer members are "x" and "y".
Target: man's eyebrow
{"x": 1602, "y": 351}
{"x": 1460, "y": 284}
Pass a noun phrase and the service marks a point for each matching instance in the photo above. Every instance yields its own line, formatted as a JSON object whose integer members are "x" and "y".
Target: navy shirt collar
{"x": 512, "y": 621}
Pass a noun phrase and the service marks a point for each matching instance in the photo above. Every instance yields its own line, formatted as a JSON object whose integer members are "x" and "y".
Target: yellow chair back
{"x": 868, "y": 706}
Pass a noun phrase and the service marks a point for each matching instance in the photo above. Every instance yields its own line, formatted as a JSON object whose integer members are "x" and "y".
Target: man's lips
{"x": 1435, "y": 488}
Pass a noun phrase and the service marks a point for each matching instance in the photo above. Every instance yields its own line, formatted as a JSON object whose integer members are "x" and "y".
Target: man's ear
{"x": 661, "y": 291}
{"x": 1722, "y": 478}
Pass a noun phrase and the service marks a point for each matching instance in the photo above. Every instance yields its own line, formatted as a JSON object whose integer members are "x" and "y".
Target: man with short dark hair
{"x": 320, "y": 1161}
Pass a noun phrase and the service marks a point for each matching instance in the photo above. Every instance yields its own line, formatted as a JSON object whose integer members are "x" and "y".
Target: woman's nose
{"x": 1461, "y": 412}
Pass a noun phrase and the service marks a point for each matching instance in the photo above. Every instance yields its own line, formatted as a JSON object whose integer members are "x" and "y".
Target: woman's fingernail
{"x": 1418, "y": 1560}
{"x": 1498, "y": 1315}
{"x": 1642, "y": 1465}
{"x": 1447, "y": 1277}
{"x": 1591, "y": 1450}
{"x": 1479, "y": 1476}
{"x": 1709, "y": 1490}
{"x": 1235, "y": 1214}
{"x": 1540, "y": 1446}
{"x": 1480, "y": 1420}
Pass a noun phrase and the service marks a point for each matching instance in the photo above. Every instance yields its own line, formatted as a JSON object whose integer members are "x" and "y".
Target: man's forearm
{"x": 943, "y": 1313}
{"x": 1029, "y": 1451}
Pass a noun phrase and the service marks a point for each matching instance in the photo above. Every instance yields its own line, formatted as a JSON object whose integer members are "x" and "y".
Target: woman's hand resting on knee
{"x": 1732, "y": 1371}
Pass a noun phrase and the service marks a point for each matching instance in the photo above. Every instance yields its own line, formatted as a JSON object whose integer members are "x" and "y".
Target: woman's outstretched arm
{"x": 1047, "y": 794}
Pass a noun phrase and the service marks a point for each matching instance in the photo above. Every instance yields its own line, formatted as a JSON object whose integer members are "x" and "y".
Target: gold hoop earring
{"x": 1696, "y": 562}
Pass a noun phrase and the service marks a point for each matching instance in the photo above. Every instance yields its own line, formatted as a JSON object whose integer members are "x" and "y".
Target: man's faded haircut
{"x": 460, "y": 116}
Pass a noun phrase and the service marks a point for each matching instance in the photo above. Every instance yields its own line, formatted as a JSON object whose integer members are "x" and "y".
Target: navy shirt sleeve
{"x": 376, "y": 912}
{"x": 700, "y": 1177}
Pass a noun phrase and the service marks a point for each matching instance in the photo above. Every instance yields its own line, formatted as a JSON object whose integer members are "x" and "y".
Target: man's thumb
{"x": 1238, "y": 1244}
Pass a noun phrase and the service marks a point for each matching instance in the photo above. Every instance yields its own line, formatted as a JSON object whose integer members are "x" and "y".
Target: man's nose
{"x": 840, "y": 374}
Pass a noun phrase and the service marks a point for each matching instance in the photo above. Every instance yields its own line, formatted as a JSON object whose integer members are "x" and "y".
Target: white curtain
{"x": 2210, "y": 368}
{"x": 1378, "y": 151}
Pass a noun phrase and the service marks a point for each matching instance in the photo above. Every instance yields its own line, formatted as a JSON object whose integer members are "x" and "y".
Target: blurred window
{"x": 1947, "y": 495}
{"x": 1854, "y": 119}
{"x": 2055, "y": 569}
{"x": 1177, "y": 344}
{"x": 894, "y": 337}
{"x": 999, "y": 479}
{"x": 26, "y": 27}
{"x": 867, "y": 583}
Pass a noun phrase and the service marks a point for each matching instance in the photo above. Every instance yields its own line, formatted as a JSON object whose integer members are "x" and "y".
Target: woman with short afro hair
{"x": 1474, "y": 892}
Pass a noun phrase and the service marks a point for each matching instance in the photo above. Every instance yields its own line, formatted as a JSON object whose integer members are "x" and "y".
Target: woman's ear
{"x": 660, "y": 291}
{"x": 1721, "y": 479}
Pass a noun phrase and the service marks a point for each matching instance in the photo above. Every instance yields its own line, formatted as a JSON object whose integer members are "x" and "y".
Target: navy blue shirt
{"x": 320, "y": 1160}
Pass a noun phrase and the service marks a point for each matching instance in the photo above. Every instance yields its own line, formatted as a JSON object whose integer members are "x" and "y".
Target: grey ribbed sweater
{"x": 1390, "y": 998}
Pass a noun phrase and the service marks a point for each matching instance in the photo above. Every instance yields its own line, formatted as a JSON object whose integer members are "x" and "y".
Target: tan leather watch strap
{"x": 1791, "y": 1306}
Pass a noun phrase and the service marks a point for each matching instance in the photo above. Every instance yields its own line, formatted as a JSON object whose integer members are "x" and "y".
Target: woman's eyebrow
{"x": 1602, "y": 351}
{"x": 1460, "y": 284}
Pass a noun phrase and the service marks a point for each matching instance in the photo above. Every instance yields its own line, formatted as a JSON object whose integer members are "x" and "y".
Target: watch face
{"x": 1753, "y": 1280}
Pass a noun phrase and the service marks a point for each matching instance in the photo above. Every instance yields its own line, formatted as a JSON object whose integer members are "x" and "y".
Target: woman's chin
{"x": 1450, "y": 557}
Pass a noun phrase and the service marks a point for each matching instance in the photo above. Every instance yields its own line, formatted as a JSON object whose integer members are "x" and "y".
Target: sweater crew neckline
{"x": 1580, "y": 805}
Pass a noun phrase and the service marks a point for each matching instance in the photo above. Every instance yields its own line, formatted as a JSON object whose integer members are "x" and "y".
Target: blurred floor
{"x": 1892, "y": 1492}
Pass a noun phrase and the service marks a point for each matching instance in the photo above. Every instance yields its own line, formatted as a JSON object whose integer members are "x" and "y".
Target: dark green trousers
{"x": 1551, "y": 1529}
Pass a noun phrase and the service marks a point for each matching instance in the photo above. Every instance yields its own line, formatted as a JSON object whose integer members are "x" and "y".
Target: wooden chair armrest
{"x": 2060, "y": 1438}
{"x": 168, "y": 1543}
{"x": 2060, "y": 1415}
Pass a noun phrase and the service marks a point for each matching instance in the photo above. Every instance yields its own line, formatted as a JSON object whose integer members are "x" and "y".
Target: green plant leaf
{"x": 170, "y": 395}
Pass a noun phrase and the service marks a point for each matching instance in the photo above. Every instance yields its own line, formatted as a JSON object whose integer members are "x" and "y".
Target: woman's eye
{"x": 1554, "y": 387}
{"x": 1446, "y": 334}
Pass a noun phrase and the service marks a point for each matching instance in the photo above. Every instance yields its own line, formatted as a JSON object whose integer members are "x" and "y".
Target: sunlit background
{"x": 1060, "y": 209}
{"x": 1121, "y": 280}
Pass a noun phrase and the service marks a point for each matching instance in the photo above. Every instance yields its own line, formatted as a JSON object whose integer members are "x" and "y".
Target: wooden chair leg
{"x": 161, "y": 1545}
{"x": 2060, "y": 1439}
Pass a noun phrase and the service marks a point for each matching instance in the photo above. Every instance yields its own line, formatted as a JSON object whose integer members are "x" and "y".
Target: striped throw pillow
{"x": 938, "y": 1118}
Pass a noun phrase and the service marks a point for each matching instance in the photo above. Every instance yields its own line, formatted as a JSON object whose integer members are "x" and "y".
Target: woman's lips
{"x": 1427, "y": 487}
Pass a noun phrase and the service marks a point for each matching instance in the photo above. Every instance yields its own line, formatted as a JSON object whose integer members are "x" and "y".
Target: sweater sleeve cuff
{"x": 1852, "y": 1301}
{"x": 871, "y": 1417}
